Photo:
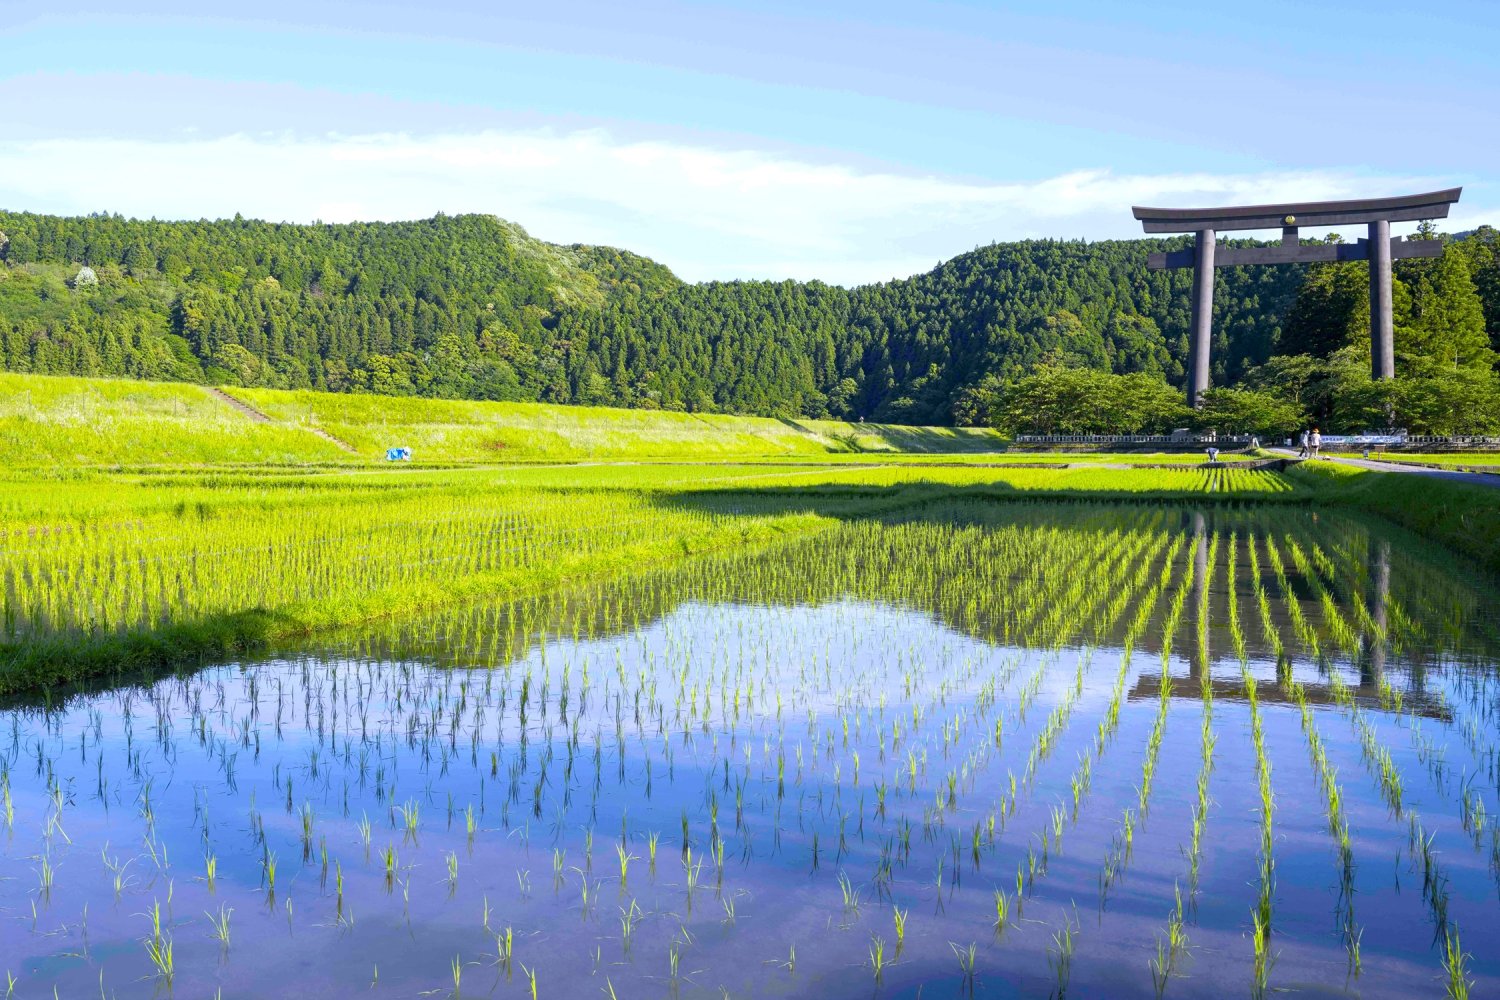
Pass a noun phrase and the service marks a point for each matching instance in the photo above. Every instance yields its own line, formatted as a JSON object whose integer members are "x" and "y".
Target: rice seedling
{"x": 159, "y": 948}
{"x": 1261, "y": 941}
{"x": 968, "y": 957}
{"x": 46, "y": 875}
{"x": 877, "y": 958}
{"x": 1456, "y": 977}
{"x": 849, "y": 893}
{"x": 219, "y": 922}
{"x": 1171, "y": 947}
{"x": 505, "y": 947}
{"x": 1060, "y": 956}
{"x": 625, "y": 857}
{"x": 1002, "y": 910}
{"x": 410, "y": 814}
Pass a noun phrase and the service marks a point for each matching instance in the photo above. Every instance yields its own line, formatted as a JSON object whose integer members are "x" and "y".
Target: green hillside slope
{"x": 471, "y": 307}
{"x": 64, "y": 421}
{"x": 77, "y": 421}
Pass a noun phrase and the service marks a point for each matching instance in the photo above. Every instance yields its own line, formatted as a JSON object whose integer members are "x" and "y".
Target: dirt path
{"x": 261, "y": 418}
{"x": 244, "y": 408}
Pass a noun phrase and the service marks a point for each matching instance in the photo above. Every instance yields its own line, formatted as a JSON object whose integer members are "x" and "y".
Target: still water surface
{"x": 731, "y": 777}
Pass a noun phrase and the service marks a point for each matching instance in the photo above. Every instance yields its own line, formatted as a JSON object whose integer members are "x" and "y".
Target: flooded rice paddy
{"x": 984, "y": 749}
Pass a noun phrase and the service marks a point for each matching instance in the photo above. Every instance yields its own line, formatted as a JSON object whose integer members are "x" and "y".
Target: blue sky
{"x": 844, "y": 141}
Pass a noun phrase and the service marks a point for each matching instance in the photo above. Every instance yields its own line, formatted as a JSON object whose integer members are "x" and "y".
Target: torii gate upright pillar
{"x": 1203, "y": 315}
{"x": 1382, "y": 314}
{"x": 1379, "y": 249}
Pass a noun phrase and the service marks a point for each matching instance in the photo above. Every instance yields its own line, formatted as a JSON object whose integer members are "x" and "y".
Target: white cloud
{"x": 705, "y": 212}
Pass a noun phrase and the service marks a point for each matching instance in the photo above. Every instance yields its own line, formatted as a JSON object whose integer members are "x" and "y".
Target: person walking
{"x": 1314, "y": 442}
{"x": 1302, "y": 442}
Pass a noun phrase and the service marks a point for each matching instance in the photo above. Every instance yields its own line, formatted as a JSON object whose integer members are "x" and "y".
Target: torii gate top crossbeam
{"x": 1308, "y": 214}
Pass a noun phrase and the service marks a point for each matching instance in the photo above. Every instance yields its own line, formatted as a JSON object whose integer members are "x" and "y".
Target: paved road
{"x": 1453, "y": 475}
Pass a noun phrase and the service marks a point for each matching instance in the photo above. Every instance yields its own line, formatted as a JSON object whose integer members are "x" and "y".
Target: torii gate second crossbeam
{"x": 1379, "y": 249}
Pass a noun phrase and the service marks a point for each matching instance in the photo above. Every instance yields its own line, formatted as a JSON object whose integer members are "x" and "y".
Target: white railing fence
{"x": 1204, "y": 438}
{"x": 1411, "y": 442}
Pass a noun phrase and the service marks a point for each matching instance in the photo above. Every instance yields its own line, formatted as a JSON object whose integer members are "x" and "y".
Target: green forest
{"x": 1030, "y": 335}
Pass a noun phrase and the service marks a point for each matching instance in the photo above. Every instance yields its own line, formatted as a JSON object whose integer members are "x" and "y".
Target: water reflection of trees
{"x": 1031, "y": 575}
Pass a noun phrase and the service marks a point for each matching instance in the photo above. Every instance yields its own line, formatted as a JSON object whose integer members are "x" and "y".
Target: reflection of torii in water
{"x": 1148, "y": 688}
{"x": 1372, "y": 657}
{"x": 1198, "y": 664}
{"x": 1371, "y": 660}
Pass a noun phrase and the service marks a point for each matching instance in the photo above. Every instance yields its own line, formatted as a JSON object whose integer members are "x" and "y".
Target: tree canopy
{"x": 473, "y": 307}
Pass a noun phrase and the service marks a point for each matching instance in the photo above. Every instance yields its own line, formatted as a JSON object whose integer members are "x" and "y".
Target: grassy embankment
{"x": 462, "y": 431}
{"x": 1462, "y": 461}
{"x": 58, "y": 421}
{"x": 70, "y": 421}
{"x": 50, "y": 421}
{"x": 1464, "y": 517}
{"x": 55, "y": 421}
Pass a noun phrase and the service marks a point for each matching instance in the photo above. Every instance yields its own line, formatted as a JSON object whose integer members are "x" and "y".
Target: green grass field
{"x": 1011, "y": 457}
{"x": 460, "y": 431}
{"x": 51, "y": 422}
{"x": 477, "y": 432}
{"x": 158, "y": 524}
{"x": 1476, "y": 460}
{"x": 105, "y": 570}
{"x": 48, "y": 421}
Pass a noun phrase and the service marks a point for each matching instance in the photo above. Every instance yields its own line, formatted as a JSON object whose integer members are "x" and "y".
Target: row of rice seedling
{"x": 182, "y": 563}
{"x": 877, "y": 749}
{"x": 1165, "y": 963}
{"x": 1172, "y": 945}
{"x": 268, "y": 866}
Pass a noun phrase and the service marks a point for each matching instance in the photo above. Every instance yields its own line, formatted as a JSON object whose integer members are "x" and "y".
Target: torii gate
{"x": 1379, "y": 249}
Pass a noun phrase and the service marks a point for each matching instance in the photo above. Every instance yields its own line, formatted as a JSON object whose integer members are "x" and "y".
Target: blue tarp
{"x": 398, "y": 454}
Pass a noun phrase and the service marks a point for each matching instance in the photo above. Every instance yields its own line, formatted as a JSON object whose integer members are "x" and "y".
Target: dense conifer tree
{"x": 472, "y": 307}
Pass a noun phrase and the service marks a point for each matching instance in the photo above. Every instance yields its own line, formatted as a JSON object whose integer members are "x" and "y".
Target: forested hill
{"x": 472, "y": 307}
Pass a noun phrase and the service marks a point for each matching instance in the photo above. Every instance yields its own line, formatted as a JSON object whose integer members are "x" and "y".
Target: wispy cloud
{"x": 707, "y": 213}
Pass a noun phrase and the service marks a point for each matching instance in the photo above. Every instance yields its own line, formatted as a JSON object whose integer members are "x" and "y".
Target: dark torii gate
{"x": 1379, "y": 249}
